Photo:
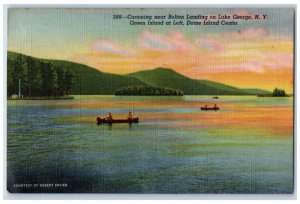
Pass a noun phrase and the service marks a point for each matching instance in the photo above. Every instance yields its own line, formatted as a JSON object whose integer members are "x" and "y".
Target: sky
{"x": 251, "y": 54}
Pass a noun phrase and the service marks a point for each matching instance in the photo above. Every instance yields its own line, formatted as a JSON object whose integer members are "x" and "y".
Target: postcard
{"x": 144, "y": 100}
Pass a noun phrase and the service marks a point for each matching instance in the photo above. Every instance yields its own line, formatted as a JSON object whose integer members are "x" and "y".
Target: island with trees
{"x": 276, "y": 93}
{"x": 279, "y": 93}
{"x": 149, "y": 91}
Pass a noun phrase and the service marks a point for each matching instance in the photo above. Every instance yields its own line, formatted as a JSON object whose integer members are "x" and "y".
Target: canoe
{"x": 210, "y": 108}
{"x": 104, "y": 120}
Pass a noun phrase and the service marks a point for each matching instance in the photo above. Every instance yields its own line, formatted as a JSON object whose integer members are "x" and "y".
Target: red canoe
{"x": 104, "y": 120}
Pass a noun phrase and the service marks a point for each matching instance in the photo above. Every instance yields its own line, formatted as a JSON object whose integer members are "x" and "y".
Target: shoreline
{"x": 288, "y": 95}
{"x": 73, "y": 96}
{"x": 42, "y": 98}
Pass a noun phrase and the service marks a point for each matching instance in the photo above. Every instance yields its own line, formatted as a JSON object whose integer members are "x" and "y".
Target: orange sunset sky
{"x": 251, "y": 54}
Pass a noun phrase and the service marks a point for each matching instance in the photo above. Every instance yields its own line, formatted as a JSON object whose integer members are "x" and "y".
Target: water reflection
{"x": 246, "y": 146}
{"x": 110, "y": 125}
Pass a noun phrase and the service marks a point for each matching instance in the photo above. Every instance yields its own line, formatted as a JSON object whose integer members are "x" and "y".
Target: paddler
{"x": 109, "y": 116}
{"x": 129, "y": 117}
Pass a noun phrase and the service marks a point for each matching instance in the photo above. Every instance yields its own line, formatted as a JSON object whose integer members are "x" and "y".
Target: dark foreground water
{"x": 246, "y": 147}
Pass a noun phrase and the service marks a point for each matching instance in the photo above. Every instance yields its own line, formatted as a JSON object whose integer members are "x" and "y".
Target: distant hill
{"x": 164, "y": 77}
{"x": 89, "y": 81}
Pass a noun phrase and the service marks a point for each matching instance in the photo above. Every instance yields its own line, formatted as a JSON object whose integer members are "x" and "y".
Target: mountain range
{"x": 90, "y": 81}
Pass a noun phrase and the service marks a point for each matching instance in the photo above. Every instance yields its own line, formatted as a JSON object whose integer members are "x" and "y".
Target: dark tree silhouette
{"x": 279, "y": 92}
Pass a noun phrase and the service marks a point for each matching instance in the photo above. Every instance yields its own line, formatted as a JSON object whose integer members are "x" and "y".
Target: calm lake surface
{"x": 246, "y": 147}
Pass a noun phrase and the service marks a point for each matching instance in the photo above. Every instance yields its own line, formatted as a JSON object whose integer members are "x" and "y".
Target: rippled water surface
{"x": 245, "y": 147}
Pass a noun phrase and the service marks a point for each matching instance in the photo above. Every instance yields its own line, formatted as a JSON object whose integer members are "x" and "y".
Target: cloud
{"x": 278, "y": 60}
{"x": 177, "y": 35}
{"x": 241, "y": 51}
{"x": 211, "y": 44}
{"x": 252, "y": 65}
{"x": 227, "y": 39}
{"x": 107, "y": 46}
{"x": 242, "y": 12}
{"x": 256, "y": 64}
{"x": 175, "y": 41}
{"x": 249, "y": 33}
{"x": 270, "y": 61}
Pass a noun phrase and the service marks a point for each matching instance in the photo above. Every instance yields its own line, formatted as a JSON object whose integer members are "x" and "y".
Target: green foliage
{"x": 278, "y": 92}
{"x": 68, "y": 79}
{"x": 38, "y": 77}
{"x": 149, "y": 91}
{"x": 61, "y": 79}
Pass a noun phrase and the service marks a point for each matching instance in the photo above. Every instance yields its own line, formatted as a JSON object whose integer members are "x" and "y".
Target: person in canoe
{"x": 215, "y": 106}
{"x": 109, "y": 116}
{"x": 129, "y": 117}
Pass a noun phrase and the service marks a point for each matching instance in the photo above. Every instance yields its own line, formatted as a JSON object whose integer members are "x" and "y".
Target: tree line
{"x": 37, "y": 77}
{"x": 149, "y": 91}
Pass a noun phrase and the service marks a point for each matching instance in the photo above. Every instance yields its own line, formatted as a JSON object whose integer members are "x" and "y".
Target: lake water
{"x": 245, "y": 147}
